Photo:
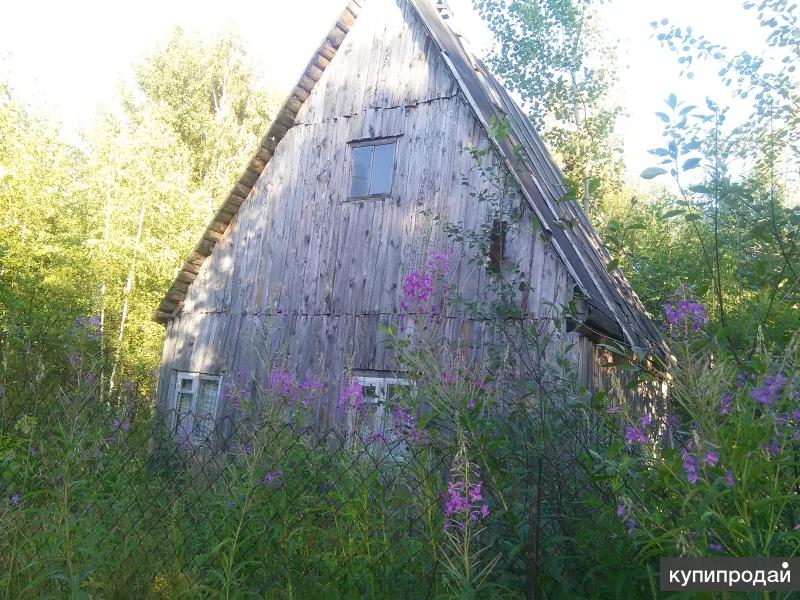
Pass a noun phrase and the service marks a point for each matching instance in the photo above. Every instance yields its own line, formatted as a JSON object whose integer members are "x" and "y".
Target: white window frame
{"x": 373, "y": 143}
{"x": 380, "y": 383}
{"x": 195, "y": 377}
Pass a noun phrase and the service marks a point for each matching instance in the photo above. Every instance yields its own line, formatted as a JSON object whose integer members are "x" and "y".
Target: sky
{"x": 68, "y": 58}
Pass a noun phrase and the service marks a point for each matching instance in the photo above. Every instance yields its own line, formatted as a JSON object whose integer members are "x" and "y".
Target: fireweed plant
{"x": 718, "y": 476}
{"x": 520, "y": 417}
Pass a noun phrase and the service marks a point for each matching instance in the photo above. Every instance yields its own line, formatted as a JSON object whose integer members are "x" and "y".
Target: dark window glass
{"x": 373, "y": 165}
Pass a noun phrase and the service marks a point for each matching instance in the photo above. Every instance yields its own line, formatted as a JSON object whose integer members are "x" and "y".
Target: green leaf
{"x": 652, "y": 172}
{"x": 692, "y": 163}
{"x": 672, "y": 101}
{"x": 671, "y": 213}
{"x": 693, "y": 217}
{"x": 612, "y": 265}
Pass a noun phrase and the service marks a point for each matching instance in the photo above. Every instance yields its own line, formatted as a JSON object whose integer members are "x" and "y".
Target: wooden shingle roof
{"x": 614, "y": 310}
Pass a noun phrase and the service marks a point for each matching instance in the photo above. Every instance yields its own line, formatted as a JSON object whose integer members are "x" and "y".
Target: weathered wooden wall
{"x": 322, "y": 274}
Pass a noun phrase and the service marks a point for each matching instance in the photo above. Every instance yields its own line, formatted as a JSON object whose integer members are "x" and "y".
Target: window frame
{"x": 196, "y": 378}
{"x": 373, "y": 143}
{"x": 380, "y": 383}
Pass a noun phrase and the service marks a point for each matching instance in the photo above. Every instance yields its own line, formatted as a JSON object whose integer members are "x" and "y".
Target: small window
{"x": 372, "y": 168}
{"x": 497, "y": 245}
{"x": 196, "y": 397}
{"x": 380, "y": 391}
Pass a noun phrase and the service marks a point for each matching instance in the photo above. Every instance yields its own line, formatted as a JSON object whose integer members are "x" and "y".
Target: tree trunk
{"x": 104, "y": 246}
{"x": 534, "y": 530}
{"x": 126, "y": 295}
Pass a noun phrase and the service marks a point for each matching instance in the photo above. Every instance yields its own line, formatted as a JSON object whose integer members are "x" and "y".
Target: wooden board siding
{"x": 322, "y": 273}
{"x": 305, "y": 273}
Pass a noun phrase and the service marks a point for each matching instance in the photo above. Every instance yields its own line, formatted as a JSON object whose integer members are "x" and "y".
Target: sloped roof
{"x": 172, "y": 303}
{"x": 614, "y": 308}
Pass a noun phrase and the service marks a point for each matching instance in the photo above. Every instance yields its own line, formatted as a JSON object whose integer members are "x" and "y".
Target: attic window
{"x": 372, "y": 167}
{"x": 497, "y": 245}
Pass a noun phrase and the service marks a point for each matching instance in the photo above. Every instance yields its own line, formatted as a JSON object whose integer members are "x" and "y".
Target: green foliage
{"x": 553, "y": 54}
{"x": 718, "y": 476}
{"x": 100, "y": 230}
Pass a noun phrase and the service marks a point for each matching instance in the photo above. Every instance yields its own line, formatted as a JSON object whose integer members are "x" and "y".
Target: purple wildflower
{"x": 418, "y": 287}
{"x": 76, "y": 360}
{"x": 711, "y": 459}
{"x": 621, "y": 510}
{"x": 310, "y": 389}
{"x": 14, "y": 499}
{"x": 471, "y": 403}
{"x": 376, "y": 437}
{"x": 283, "y": 384}
{"x": 770, "y": 391}
{"x": 438, "y": 261}
{"x": 646, "y": 420}
{"x": 464, "y": 503}
{"x": 634, "y": 435}
{"x": 613, "y": 410}
{"x": 773, "y": 448}
{"x": 690, "y": 466}
{"x": 351, "y": 397}
{"x": 686, "y": 312}
{"x": 273, "y": 478}
{"x": 741, "y": 378}
{"x": 725, "y": 403}
{"x": 406, "y": 425}
{"x": 715, "y": 546}
{"x": 671, "y": 423}
{"x": 729, "y": 481}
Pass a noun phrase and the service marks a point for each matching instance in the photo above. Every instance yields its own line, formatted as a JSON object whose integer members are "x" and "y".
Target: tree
{"x": 552, "y": 53}
{"x": 745, "y": 227}
{"x": 161, "y": 168}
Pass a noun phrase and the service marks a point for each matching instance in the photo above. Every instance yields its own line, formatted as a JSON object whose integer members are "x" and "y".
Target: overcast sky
{"x": 67, "y": 57}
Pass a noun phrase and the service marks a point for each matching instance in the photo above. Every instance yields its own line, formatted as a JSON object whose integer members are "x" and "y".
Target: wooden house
{"x": 333, "y": 211}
